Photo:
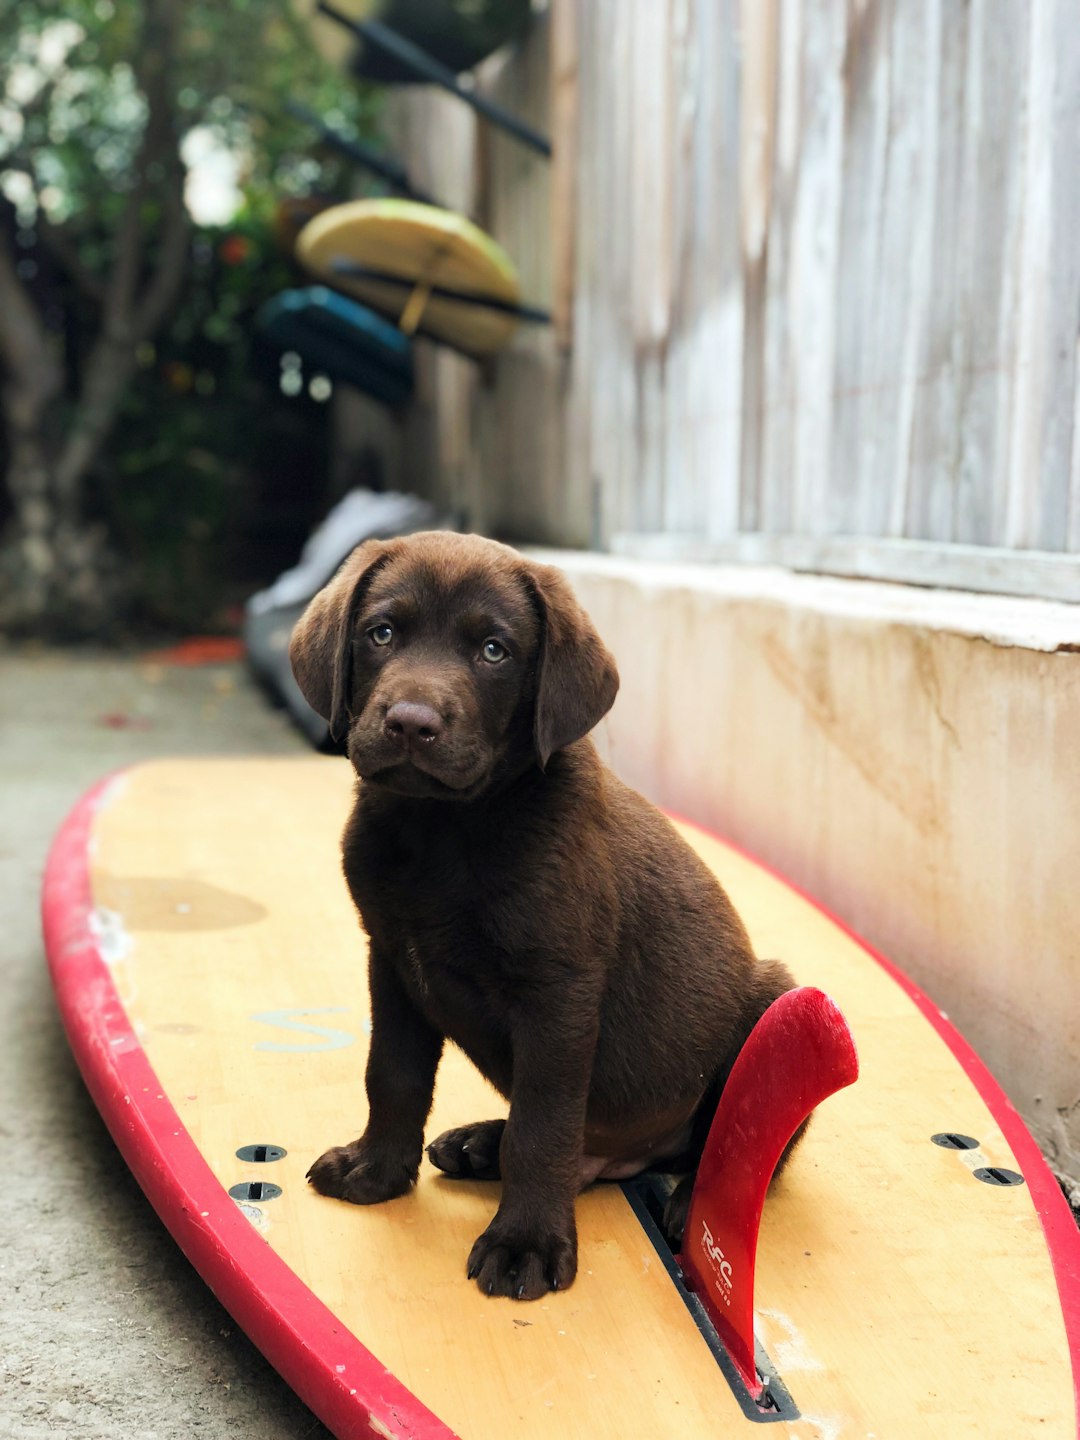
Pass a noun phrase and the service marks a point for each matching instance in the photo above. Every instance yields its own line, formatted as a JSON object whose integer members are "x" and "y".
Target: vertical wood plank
{"x": 918, "y": 194}
{"x": 993, "y": 72}
{"x": 709, "y": 341}
{"x": 934, "y": 473}
{"x": 1024, "y": 464}
{"x": 813, "y": 275}
{"x": 566, "y": 149}
{"x": 1057, "y": 523}
{"x": 775, "y": 505}
{"x": 813, "y": 271}
{"x": 759, "y": 23}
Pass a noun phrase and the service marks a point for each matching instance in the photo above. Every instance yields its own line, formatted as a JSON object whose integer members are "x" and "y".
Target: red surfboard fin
{"x": 799, "y": 1053}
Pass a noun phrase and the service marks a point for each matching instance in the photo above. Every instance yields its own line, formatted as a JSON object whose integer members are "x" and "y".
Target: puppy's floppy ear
{"x": 576, "y": 678}
{"x": 320, "y": 650}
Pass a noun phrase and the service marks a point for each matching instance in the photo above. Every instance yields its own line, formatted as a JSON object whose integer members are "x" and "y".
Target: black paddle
{"x": 352, "y": 270}
{"x": 377, "y": 161}
{"x": 374, "y": 32}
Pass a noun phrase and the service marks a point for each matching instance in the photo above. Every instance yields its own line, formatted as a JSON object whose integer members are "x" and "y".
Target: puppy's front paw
{"x": 470, "y": 1152}
{"x": 361, "y": 1175}
{"x": 524, "y": 1262}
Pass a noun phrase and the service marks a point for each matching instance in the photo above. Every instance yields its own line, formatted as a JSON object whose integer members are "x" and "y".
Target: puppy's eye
{"x": 494, "y": 652}
{"x": 381, "y": 634}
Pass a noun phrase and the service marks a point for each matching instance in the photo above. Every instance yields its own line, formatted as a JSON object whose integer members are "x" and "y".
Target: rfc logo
{"x": 721, "y": 1266}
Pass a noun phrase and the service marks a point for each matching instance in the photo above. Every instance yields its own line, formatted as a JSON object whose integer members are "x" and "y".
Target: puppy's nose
{"x": 410, "y": 723}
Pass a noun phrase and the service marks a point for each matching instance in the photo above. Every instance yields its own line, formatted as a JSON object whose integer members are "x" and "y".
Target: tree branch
{"x": 19, "y": 156}
{"x": 108, "y": 374}
{"x": 65, "y": 251}
{"x": 32, "y": 375}
{"x": 120, "y": 288}
{"x": 56, "y": 240}
{"x": 130, "y": 316}
{"x": 153, "y": 72}
{"x": 163, "y": 289}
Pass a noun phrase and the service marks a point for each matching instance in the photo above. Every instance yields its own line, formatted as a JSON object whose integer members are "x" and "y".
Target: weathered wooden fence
{"x": 816, "y": 272}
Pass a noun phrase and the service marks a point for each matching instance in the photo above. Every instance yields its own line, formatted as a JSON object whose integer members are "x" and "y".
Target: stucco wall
{"x": 911, "y": 757}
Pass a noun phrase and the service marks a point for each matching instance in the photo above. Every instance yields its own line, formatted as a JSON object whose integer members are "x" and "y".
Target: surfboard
{"x": 457, "y": 36}
{"x": 341, "y": 338}
{"x": 918, "y": 1270}
{"x": 429, "y": 248}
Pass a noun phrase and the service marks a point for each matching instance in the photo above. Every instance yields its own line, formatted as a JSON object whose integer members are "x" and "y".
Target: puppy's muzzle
{"x": 412, "y": 726}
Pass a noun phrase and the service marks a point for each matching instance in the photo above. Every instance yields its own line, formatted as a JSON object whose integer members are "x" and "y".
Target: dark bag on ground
{"x": 270, "y": 615}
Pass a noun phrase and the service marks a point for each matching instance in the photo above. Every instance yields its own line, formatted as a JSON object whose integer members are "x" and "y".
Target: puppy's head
{"x": 449, "y": 661}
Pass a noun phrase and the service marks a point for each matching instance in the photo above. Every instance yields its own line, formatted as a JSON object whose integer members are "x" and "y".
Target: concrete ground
{"x": 108, "y": 1333}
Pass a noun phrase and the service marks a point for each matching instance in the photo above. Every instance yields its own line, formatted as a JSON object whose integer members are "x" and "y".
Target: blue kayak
{"x": 342, "y": 339}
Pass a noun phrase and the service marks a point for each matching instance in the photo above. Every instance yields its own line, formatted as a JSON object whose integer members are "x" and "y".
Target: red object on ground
{"x": 121, "y": 720}
{"x": 200, "y": 650}
{"x": 799, "y": 1053}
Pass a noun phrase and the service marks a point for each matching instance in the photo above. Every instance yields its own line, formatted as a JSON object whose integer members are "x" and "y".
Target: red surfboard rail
{"x": 332, "y": 1372}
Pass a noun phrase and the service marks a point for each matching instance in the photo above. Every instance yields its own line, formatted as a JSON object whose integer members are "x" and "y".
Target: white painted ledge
{"x": 908, "y": 755}
{"x": 1007, "y": 620}
{"x": 988, "y": 569}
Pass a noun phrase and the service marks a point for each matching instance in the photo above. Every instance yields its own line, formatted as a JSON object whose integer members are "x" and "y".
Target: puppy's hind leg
{"x": 677, "y": 1207}
{"x": 471, "y": 1152}
{"x": 771, "y": 979}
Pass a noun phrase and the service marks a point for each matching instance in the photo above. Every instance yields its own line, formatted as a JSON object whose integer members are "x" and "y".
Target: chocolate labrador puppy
{"x": 519, "y": 899}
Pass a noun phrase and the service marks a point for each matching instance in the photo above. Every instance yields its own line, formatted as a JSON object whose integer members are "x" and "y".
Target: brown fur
{"x": 519, "y": 899}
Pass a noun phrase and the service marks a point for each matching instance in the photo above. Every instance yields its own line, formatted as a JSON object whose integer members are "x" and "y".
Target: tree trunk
{"x": 59, "y": 578}
{"x": 109, "y": 371}
{"x": 58, "y": 574}
{"x": 55, "y": 573}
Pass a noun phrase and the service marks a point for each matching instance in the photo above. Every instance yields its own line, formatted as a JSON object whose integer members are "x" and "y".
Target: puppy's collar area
{"x": 507, "y": 780}
{"x": 412, "y": 782}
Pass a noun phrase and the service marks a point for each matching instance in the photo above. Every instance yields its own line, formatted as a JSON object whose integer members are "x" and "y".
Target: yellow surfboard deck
{"x": 426, "y": 246}
{"x": 896, "y": 1294}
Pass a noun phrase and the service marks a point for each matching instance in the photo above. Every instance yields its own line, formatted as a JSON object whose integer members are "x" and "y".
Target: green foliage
{"x": 179, "y": 482}
{"x": 71, "y": 112}
{"x": 203, "y": 435}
